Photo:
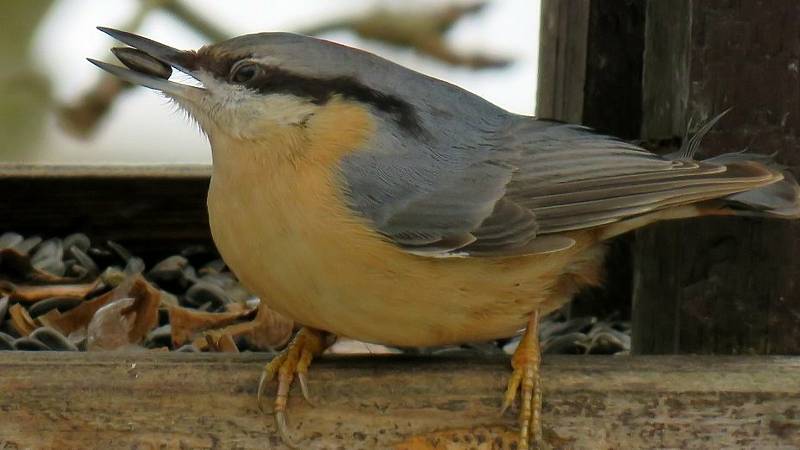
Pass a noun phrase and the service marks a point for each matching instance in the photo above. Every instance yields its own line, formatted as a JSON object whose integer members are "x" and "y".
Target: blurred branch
{"x": 423, "y": 31}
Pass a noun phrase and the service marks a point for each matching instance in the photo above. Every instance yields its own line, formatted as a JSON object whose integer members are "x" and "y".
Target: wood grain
{"x": 158, "y": 400}
{"x": 562, "y": 59}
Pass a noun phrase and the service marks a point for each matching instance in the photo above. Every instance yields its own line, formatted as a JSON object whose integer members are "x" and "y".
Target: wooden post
{"x": 562, "y": 62}
{"x": 721, "y": 285}
{"x": 711, "y": 285}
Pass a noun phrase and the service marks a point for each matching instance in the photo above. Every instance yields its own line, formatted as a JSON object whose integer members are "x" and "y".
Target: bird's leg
{"x": 294, "y": 359}
{"x": 525, "y": 377}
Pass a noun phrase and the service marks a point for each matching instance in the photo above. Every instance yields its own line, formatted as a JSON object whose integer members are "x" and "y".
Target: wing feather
{"x": 510, "y": 190}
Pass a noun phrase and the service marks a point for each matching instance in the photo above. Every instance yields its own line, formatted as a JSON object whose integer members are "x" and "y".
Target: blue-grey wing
{"x": 514, "y": 189}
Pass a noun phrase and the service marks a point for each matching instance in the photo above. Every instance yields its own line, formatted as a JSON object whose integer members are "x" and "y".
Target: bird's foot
{"x": 525, "y": 378}
{"x": 293, "y": 360}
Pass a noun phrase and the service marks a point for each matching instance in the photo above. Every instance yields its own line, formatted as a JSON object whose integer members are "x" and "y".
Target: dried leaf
{"x": 21, "y": 320}
{"x": 32, "y": 294}
{"x": 146, "y": 301}
{"x": 188, "y": 323}
{"x": 221, "y": 342}
{"x": 268, "y": 331}
{"x": 78, "y": 318}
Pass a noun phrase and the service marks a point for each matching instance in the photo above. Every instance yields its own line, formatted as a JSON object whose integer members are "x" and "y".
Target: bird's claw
{"x": 525, "y": 378}
{"x": 511, "y": 390}
{"x": 292, "y": 361}
{"x": 303, "y": 379}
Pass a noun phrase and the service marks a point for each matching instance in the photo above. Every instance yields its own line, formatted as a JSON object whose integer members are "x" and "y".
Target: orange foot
{"x": 525, "y": 377}
{"x": 294, "y": 359}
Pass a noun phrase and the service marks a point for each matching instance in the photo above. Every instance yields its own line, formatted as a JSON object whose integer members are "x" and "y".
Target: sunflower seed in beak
{"x": 141, "y": 62}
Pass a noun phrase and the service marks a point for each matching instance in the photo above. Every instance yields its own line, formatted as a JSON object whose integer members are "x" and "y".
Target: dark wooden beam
{"x": 612, "y": 92}
{"x": 169, "y": 400}
{"x": 721, "y": 285}
{"x": 152, "y": 210}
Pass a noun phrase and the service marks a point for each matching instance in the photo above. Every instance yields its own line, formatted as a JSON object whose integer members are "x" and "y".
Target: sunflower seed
{"x": 142, "y": 62}
{"x": 159, "y": 337}
{"x": 83, "y": 259}
{"x": 214, "y": 266}
{"x": 27, "y": 245}
{"x": 60, "y": 303}
{"x": 29, "y": 344}
{"x": 202, "y": 293}
{"x": 134, "y": 266}
{"x": 6, "y": 341}
{"x": 78, "y": 240}
{"x": 571, "y": 344}
{"x": 49, "y": 256}
{"x": 53, "y": 339}
{"x": 169, "y": 269}
{"x": 3, "y": 308}
{"x": 10, "y": 239}
{"x": 121, "y": 251}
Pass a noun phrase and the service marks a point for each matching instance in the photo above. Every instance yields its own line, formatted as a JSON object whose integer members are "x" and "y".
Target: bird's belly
{"x": 380, "y": 304}
{"x": 354, "y": 284}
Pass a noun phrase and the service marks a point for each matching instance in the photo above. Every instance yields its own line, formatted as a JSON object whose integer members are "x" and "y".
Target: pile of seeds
{"x": 72, "y": 294}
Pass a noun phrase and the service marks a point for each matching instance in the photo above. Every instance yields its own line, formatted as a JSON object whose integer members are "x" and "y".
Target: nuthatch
{"x": 364, "y": 199}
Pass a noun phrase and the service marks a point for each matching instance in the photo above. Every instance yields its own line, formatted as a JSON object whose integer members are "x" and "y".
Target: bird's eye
{"x": 243, "y": 73}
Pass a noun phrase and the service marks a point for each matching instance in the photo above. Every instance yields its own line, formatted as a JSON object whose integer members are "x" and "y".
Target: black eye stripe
{"x": 320, "y": 91}
{"x": 271, "y": 79}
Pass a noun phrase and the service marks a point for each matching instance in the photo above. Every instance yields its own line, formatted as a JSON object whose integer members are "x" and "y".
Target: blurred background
{"x": 57, "y": 108}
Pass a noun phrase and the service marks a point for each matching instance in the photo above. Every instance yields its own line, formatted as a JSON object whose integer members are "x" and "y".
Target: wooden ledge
{"x": 113, "y": 171}
{"x": 170, "y": 400}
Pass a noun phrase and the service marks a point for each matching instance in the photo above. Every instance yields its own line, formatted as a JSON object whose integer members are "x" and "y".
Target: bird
{"x": 363, "y": 199}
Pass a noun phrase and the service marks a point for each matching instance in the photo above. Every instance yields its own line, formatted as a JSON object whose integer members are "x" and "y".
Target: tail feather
{"x": 780, "y": 199}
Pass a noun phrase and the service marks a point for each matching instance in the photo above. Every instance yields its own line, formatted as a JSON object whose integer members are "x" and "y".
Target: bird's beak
{"x": 178, "y": 59}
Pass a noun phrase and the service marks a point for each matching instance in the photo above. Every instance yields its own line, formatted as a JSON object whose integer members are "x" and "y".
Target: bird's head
{"x": 256, "y": 84}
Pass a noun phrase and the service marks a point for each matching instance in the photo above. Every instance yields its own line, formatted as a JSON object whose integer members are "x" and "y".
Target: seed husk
{"x": 142, "y": 62}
